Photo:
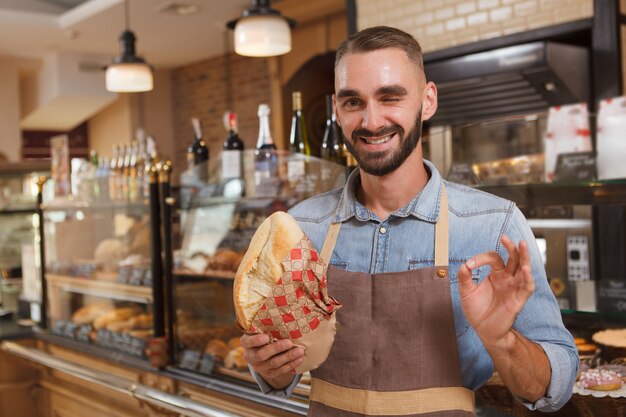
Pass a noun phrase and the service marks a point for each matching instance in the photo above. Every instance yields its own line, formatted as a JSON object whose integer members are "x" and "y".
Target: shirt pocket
{"x": 460, "y": 322}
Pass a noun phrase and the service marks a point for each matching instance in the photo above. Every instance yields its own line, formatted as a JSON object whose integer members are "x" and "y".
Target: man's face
{"x": 378, "y": 101}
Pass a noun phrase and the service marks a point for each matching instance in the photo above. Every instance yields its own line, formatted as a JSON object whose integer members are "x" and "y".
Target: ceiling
{"x": 33, "y": 28}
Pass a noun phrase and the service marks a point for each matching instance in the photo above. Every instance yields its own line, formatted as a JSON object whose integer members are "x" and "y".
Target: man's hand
{"x": 491, "y": 306}
{"x": 275, "y": 362}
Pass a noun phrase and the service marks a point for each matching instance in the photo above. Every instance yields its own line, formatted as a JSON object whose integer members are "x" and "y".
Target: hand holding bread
{"x": 281, "y": 300}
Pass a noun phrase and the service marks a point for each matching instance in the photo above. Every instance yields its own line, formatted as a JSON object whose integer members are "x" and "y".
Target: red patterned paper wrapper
{"x": 300, "y": 299}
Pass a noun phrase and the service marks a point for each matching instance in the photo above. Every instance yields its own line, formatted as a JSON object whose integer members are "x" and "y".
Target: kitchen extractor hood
{"x": 516, "y": 80}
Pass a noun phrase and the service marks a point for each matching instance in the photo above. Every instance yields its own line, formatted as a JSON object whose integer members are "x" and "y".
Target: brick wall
{"x": 200, "y": 90}
{"x": 440, "y": 24}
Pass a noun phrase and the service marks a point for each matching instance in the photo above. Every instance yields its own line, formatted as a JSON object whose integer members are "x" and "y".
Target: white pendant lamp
{"x": 262, "y": 31}
{"x": 128, "y": 73}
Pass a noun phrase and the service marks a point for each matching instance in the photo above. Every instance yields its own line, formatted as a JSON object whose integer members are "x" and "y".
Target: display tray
{"x": 101, "y": 288}
{"x": 212, "y": 273}
{"x": 495, "y": 395}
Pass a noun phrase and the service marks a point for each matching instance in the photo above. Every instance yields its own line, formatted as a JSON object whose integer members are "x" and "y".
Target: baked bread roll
{"x": 280, "y": 290}
{"x": 119, "y": 314}
{"x": 90, "y": 312}
{"x": 217, "y": 348}
{"x": 235, "y": 359}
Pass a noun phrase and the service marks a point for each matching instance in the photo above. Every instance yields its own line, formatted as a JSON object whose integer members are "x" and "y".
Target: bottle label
{"x": 190, "y": 160}
{"x": 231, "y": 164}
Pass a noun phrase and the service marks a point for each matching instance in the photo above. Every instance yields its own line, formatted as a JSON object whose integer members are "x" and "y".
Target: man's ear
{"x": 429, "y": 101}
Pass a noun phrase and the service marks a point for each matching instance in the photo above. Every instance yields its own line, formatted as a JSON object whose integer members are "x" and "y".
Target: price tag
{"x": 190, "y": 360}
{"x": 207, "y": 364}
{"x": 576, "y": 166}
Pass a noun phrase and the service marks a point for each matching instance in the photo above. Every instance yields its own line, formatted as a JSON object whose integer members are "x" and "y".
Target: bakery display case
{"x": 98, "y": 274}
{"x": 579, "y": 223}
{"x": 215, "y": 231}
{"x": 19, "y": 232}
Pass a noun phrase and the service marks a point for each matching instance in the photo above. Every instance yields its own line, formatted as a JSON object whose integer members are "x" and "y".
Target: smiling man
{"x": 441, "y": 284}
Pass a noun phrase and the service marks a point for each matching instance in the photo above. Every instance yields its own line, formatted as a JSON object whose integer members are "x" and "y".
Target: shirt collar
{"x": 424, "y": 206}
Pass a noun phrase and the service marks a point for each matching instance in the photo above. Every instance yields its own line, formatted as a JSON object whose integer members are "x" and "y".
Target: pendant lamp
{"x": 128, "y": 73}
{"x": 262, "y": 31}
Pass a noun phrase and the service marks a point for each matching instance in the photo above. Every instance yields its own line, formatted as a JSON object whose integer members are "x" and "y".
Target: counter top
{"x": 10, "y": 330}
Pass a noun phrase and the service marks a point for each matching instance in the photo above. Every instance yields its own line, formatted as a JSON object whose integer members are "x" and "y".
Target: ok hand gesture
{"x": 491, "y": 306}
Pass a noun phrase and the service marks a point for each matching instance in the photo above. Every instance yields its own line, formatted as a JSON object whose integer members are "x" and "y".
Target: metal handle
{"x": 169, "y": 402}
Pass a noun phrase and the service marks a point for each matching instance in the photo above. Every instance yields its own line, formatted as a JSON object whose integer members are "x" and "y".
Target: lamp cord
{"x": 126, "y": 14}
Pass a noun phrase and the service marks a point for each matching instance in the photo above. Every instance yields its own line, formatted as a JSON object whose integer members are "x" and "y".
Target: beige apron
{"x": 395, "y": 352}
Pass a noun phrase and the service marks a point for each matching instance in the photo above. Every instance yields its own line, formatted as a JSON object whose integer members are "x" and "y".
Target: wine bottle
{"x": 113, "y": 173}
{"x": 298, "y": 138}
{"x": 232, "y": 153}
{"x": 332, "y": 142}
{"x": 266, "y": 159}
{"x": 133, "y": 189}
{"x": 197, "y": 152}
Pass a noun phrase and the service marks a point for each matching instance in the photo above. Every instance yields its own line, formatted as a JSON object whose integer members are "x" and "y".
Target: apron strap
{"x": 441, "y": 237}
{"x": 329, "y": 242}
{"x": 441, "y": 232}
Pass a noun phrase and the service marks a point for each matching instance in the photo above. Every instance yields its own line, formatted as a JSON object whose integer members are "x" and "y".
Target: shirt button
{"x": 383, "y": 230}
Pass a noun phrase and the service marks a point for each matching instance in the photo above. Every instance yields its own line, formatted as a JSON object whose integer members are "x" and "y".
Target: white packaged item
{"x": 611, "y": 141}
{"x": 567, "y": 132}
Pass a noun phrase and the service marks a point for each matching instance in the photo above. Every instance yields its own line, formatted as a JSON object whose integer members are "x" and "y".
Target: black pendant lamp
{"x": 128, "y": 73}
{"x": 262, "y": 31}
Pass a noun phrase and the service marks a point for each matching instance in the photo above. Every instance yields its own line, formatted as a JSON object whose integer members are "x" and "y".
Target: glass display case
{"x": 99, "y": 273}
{"x": 19, "y": 233}
{"x": 579, "y": 221}
{"x": 214, "y": 233}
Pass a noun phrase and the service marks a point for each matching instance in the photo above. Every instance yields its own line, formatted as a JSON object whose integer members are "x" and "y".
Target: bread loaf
{"x": 261, "y": 266}
{"x": 280, "y": 290}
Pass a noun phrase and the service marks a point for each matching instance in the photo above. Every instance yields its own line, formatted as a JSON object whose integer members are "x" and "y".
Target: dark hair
{"x": 381, "y": 37}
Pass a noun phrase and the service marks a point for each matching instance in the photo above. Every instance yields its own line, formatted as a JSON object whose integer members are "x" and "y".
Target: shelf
{"x": 558, "y": 194}
{"x": 71, "y": 204}
{"x": 9, "y": 211}
{"x": 209, "y": 274}
{"x": 100, "y": 288}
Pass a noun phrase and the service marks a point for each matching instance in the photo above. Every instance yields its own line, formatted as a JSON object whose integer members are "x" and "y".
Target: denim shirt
{"x": 405, "y": 240}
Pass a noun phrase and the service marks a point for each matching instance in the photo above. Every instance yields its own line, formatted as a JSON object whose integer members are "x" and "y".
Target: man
{"x": 441, "y": 284}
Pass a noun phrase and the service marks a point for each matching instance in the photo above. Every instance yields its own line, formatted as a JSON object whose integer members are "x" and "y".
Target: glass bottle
{"x": 332, "y": 142}
{"x": 198, "y": 152}
{"x": 113, "y": 173}
{"x": 298, "y": 138}
{"x": 232, "y": 153}
{"x": 266, "y": 158}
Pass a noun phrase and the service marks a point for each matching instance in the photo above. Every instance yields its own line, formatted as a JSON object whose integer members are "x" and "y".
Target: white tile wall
{"x": 439, "y": 24}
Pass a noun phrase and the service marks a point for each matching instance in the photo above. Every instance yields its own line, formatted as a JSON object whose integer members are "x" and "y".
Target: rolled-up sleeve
{"x": 268, "y": 390}
{"x": 541, "y": 322}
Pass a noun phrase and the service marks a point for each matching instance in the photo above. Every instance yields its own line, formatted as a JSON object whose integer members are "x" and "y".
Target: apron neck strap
{"x": 441, "y": 235}
{"x": 441, "y": 231}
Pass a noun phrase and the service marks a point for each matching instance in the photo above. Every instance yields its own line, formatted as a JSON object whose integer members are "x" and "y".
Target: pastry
{"x": 235, "y": 359}
{"x": 119, "y": 314}
{"x": 587, "y": 349}
{"x": 611, "y": 337}
{"x": 87, "y": 314}
{"x": 217, "y": 348}
{"x": 600, "y": 380}
{"x": 225, "y": 260}
{"x": 234, "y": 343}
{"x": 580, "y": 341}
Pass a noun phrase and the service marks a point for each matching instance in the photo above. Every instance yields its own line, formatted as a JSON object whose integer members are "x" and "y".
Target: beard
{"x": 385, "y": 162}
